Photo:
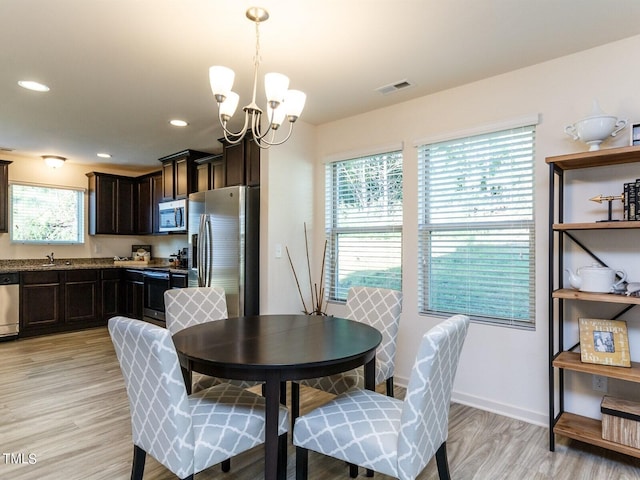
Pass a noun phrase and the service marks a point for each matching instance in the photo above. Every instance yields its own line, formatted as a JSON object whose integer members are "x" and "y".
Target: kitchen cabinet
{"x": 179, "y": 174}
{"x": 4, "y": 196}
{"x": 112, "y": 204}
{"x": 110, "y": 293}
{"x": 81, "y": 296}
{"x": 563, "y": 340}
{"x": 41, "y": 302}
{"x": 64, "y": 300}
{"x": 210, "y": 173}
{"x": 133, "y": 293}
{"x": 241, "y": 162}
{"x": 149, "y": 195}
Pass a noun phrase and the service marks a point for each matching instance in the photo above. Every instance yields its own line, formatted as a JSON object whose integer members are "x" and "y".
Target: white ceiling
{"x": 119, "y": 70}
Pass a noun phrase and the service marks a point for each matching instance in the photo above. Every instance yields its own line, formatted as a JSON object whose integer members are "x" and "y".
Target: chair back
{"x": 425, "y": 413}
{"x": 160, "y": 414}
{"x": 380, "y": 308}
{"x": 185, "y": 307}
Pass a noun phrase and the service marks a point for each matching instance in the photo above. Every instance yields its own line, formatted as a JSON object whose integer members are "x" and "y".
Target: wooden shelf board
{"x": 599, "y": 158}
{"x": 595, "y": 225}
{"x": 589, "y": 430}
{"x": 571, "y": 361}
{"x": 571, "y": 294}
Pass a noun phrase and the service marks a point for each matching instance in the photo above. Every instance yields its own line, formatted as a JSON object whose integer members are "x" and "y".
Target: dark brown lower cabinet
{"x": 133, "y": 294}
{"x": 41, "y": 302}
{"x": 63, "y": 300}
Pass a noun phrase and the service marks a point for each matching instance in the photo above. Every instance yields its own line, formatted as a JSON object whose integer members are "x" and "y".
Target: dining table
{"x": 274, "y": 349}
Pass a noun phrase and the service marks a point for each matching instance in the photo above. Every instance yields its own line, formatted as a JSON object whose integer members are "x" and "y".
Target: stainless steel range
{"x": 156, "y": 281}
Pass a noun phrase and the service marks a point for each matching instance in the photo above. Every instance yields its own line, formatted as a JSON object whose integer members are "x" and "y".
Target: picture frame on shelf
{"x": 604, "y": 342}
{"x": 635, "y": 134}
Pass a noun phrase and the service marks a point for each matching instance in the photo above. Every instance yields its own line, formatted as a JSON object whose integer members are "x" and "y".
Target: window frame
{"x": 333, "y": 230}
{"x": 426, "y": 229}
{"x": 79, "y": 214}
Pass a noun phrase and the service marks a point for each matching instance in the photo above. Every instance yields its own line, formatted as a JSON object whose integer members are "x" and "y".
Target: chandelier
{"x": 281, "y": 102}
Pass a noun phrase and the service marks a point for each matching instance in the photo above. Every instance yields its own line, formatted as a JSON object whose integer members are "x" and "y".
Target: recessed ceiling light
{"x": 178, "y": 123}
{"x": 104, "y": 155}
{"x": 35, "y": 86}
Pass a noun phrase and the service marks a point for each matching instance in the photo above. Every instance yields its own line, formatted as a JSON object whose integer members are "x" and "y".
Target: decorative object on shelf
{"x": 633, "y": 289}
{"x": 620, "y": 421}
{"x": 281, "y": 101}
{"x": 604, "y": 342}
{"x": 596, "y": 279}
{"x": 54, "y": 161}
{"x": 595, "y": 128}
{"x": 635, "y": 134}
{"x": 610, "y": 198}
{"x": 317, "y": 303}
{"x": 631, "y": 200}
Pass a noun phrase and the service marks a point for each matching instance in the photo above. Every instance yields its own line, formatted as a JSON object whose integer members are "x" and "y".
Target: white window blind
{"x": 476, "y": 229}
{"x": 46, "y": 214}
{"x": 364, "y": 223}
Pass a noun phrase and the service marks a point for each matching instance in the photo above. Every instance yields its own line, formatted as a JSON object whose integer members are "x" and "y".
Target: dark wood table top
{"x": 288, "y": 343}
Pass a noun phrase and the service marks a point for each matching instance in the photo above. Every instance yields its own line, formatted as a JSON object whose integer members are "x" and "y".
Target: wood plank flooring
{"x": 63, "y": 401}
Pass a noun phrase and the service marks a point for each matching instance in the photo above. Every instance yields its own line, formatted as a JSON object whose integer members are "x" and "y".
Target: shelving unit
{"x": 561, "y": 358}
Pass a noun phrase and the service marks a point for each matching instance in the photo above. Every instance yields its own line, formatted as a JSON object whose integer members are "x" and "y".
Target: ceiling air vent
{"x": 394, "y": 87}
{"x": 6, "y": 149}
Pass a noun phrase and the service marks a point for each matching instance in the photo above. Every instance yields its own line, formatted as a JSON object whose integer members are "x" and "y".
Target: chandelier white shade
{"x": 282, "y": 103}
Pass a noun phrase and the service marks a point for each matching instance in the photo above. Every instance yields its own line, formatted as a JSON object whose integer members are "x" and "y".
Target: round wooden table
{"x": 275, "y": 349}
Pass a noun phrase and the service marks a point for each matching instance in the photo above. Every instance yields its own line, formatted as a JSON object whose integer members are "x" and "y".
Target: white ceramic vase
{"x": 595, "y": 128}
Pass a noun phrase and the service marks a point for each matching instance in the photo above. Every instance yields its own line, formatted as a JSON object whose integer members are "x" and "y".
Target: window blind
{"x": 46, "y": 214}
{"x": 364, "y": 223}
{"x": 476, "y": 229}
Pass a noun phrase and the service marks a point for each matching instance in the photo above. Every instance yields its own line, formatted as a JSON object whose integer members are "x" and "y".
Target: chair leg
{"x": 137, "y": 469}
{"x": 190, "y": 477}
{"x": 302, "y": 463}
{"x": 295, "y": 403}
{"x": 282, "y": 457}
{"x": 353, "y": 470}
{"x": 226, "y": 465}
{"x": 390, "y": 387}
{"x": 442, "y": 462}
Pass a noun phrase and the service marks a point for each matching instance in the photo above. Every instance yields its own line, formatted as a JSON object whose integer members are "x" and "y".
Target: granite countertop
{"x": 30, "y": 265}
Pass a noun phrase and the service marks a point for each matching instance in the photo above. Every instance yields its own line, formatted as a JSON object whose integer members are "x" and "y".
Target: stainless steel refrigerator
{"x": 224, "y": 249}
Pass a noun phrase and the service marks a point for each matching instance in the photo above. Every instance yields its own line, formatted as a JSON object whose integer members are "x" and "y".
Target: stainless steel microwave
{"x": 173, "y": 216}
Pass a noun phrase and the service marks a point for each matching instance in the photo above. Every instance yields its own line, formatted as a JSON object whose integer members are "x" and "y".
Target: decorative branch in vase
{"x": 317, "y": 304}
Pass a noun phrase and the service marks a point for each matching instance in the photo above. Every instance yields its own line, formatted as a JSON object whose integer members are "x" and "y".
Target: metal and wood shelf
{"x": 561, "y": 422}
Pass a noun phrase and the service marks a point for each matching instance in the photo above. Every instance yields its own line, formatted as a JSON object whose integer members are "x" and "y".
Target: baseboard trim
{"x": 518, "y": 413}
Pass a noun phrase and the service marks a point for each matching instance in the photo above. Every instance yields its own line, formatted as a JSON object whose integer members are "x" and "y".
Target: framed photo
{"x": 604, "y": 342}
{"x": 635, "y": 134}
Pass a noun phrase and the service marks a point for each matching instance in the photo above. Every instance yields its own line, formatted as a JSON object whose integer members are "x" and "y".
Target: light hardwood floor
{"x": 63, "y": 401}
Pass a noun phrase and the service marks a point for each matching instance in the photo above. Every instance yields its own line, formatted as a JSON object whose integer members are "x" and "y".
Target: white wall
{"x": 502, "y": 369}
{"x": 30, "y": 170}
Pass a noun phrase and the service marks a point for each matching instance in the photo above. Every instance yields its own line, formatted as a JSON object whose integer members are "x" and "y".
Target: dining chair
{"x": 380, "y": 308}
{"x": 384, "y": 434}
{"x": 185, "y": 307}
{"x": 185, "y": 433}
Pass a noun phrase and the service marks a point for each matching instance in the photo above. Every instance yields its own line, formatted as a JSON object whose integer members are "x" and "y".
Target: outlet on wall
{"x": 599, "y": 383}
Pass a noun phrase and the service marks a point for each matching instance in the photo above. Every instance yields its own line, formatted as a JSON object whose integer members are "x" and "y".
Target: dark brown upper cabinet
{"x": 242, "y": 162}
{"x": 179, "y": 174}
{"x": 4, "y": 196}
{"x": 112, "y": 204}
{"x": 149, "y": 196}
{"x": 210, "y": 173}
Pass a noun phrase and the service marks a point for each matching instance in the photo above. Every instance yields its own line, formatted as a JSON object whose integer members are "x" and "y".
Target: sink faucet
{"x": 51, "y": 259}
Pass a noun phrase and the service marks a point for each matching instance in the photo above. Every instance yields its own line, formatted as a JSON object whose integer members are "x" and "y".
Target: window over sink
{"x": 43, "y": 214}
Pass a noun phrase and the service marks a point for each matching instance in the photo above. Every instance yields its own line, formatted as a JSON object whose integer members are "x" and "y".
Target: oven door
{"x": 155, "y": 284}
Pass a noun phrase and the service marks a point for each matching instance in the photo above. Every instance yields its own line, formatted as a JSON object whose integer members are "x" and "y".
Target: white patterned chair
{"x": 384, "y": 434}
{"x": 185, "y": 307}
{"x": 185, "y": 433}
{"x": 380, "y": 308}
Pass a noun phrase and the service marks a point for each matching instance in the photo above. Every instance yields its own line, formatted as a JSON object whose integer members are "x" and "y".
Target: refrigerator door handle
{"x": 209, "y": 252}
{"x": 201, "y": 250}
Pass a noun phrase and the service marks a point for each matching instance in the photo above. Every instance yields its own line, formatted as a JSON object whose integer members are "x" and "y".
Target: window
{"x": 364, "y": 223}
{"x": 45, "y": 214}
{"x": 476, "y": 230}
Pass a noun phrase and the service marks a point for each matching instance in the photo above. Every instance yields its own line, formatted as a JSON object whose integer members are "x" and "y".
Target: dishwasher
{"x": 9, "y": 305}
